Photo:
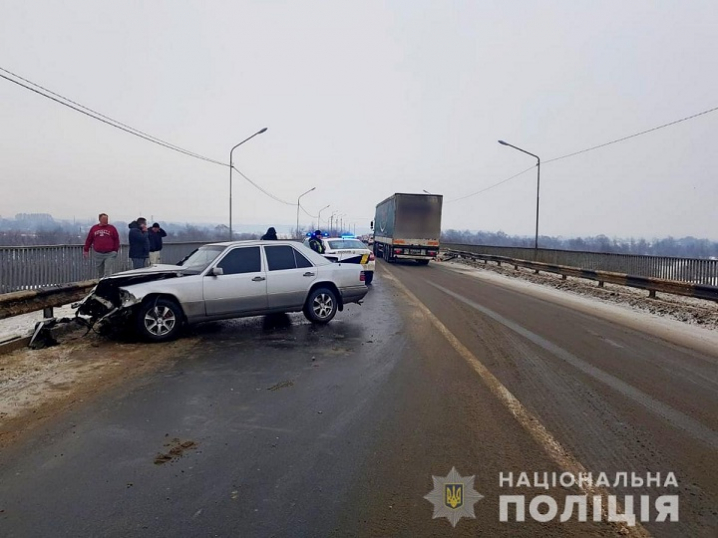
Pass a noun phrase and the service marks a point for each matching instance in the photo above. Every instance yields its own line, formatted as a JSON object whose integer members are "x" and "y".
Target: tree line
{"x": 685, "y": 247}
{"x": 29, "y": 230}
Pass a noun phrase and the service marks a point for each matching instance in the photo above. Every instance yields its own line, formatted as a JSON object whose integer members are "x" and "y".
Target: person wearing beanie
{"x": 155, "y": 234}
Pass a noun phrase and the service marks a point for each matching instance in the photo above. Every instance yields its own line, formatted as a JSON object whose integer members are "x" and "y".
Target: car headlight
{"x": 127, "y": 299}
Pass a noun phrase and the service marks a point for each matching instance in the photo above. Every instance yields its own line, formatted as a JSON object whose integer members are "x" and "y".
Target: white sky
{"x": 363, "y": 99}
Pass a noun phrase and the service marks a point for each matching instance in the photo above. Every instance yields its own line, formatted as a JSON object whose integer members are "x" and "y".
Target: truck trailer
{"x": 408, "y": 227}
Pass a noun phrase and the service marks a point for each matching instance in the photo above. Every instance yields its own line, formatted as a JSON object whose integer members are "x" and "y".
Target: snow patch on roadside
{"x": 684, "y": 320}
{"x": 23, "y": 325}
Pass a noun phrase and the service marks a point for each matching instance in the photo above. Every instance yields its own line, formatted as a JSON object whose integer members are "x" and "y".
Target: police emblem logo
{"x": 453, "y": 497}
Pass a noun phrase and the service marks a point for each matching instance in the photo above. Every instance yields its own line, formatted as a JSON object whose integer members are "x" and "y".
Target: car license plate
{"x": 415, "y": 251}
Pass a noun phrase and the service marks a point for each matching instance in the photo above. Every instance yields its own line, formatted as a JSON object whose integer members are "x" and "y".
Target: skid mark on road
{"x": 560, "y": 455}
{"x": 675, "y": 418}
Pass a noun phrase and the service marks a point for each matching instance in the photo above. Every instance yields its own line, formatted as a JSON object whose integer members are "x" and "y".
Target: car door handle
{"x": 258, "y": 279}
{"x": 309, "y": 273}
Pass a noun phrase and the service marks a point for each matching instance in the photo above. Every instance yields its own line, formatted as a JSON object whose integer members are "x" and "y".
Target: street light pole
{"x": 231, "y": 166}
{"x": 300, "y": 197}
{"x": 538, "y": 184}
{"x": 319, "y": 216}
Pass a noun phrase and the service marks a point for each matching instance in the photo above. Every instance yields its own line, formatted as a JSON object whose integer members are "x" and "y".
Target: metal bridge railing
{"x": 690, "y": 270}
{"x": 32, "y": 267}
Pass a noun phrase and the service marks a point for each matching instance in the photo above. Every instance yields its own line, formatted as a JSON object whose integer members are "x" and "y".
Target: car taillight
{"x": 432, "y": 253}
{"x": 398, "y": 251}
{"x": 362, "y": 276}
{"x": 371, "y": 257}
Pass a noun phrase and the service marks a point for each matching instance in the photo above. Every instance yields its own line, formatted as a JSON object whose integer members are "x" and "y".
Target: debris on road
{"x": 281, "y": 385}
{"x": 176, "y": 451}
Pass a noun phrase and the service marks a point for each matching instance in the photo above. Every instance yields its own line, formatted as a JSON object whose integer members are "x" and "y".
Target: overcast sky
{"x": 364, "y": 99}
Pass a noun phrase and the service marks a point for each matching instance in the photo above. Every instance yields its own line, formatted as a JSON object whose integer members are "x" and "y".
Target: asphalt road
{"x": 292, "y": 430}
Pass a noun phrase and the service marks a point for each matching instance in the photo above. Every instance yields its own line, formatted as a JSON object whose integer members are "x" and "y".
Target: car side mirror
{"x": 217, "y": 271}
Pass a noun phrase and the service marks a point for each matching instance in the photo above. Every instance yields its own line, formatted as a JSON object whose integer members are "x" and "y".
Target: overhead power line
{"x": 491, "y": 186}
{"x": 623, "y": 139}
{"x": 106, "y": 120}
{"x": 87, "y": 111}
{"x": 275, "y": 198}
{"x": 586, "y": 150}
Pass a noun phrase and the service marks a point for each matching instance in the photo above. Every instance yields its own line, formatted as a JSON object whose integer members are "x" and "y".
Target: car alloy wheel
{"x": 160, "y": 321}
{"x": 323, "y": 305}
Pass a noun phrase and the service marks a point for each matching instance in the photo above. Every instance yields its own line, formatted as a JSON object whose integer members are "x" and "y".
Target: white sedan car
{"x": 221, "y": 281}
{"x": 349, "y": 250}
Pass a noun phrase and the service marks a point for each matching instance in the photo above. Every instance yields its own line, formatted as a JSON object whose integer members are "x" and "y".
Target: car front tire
{"x": 159, "y": 320}
{"x": 321, "y": 306}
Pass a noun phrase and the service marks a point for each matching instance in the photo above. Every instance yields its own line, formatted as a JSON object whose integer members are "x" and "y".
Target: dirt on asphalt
{"x": 37, "y": 385}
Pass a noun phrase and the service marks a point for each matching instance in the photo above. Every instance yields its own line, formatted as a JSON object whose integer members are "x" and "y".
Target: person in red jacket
{"x": 105, "y": 243}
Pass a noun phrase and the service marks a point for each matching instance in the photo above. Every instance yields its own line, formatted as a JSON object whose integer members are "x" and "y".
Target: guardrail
{"x": 652, "y": 285}
{"x": 33, "y": 267}
{"x": 691, "y": 270}
{"x": 24, "y": 302}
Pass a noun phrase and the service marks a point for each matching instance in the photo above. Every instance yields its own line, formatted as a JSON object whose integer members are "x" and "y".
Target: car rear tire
{"x": 159, "y": 320}
{"x": 368, "y": 277}
{"x": 321, "y": 306}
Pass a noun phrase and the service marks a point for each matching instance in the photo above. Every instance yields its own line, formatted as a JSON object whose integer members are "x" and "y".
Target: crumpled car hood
{"x": 105, "y": 297}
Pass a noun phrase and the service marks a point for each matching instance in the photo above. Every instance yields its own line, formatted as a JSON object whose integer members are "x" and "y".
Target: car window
{"x": 280, "y": 257}
{"x": 200, "y": 259}
{"x": 345, "y": 243}
{"x": 300, "y": 260}
{"x": 241, "y": 260}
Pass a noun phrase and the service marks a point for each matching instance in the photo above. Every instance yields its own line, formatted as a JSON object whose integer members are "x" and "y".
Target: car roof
{"x": 248, "y": 242}
{"x": 317, "y": 259}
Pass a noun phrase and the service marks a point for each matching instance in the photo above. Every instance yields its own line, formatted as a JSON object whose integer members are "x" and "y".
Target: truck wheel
{"x": 321, "y": 306}
{"x": 159, "y": 320}
{"x": 422, "y": 262}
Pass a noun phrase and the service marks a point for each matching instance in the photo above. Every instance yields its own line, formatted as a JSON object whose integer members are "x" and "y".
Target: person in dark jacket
{"x": 316, "y": 243}
{"x": 139, "y": 243}
{"x": 271, "y": 235}
{"x": 156, "y": 233}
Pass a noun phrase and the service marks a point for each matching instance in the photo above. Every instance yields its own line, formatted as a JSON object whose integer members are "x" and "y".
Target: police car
{"x": 348, "y": 249}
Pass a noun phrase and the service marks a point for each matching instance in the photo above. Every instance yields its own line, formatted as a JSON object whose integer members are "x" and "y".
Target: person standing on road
{"x": 316, "y": 243}
{"x": 105, "y": 243}
{"x": 155, "y": 234}
{"x": 139, "y": 243}
{"x": 271, "y": 235}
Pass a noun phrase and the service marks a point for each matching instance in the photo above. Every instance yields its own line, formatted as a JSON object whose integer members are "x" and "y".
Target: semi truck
{"x": 408, "y": 227}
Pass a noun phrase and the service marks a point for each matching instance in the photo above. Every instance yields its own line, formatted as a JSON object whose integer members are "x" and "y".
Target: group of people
{"x": 315, "y": 241}
{"x": 145, "y": 243}
{"x": 104, "y": 242}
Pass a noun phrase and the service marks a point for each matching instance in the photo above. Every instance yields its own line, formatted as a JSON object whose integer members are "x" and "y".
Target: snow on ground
{"x": 24, "y": 325}
{"x": 684, "y": 320}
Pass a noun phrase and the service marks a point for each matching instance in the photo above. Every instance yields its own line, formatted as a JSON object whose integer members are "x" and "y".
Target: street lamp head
{"x": 262, "y": 131}
{"x": 503, "y": 143}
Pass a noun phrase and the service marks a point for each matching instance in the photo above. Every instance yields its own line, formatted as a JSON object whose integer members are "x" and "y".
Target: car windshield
{"x": 338, "y": 244}
{"x": 200, "y": 259}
